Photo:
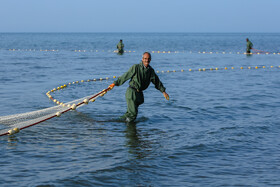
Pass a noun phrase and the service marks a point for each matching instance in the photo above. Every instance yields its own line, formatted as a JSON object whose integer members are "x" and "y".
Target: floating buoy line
{"x": 90, "y": 99}
{"x": 216, "y": 68}
{"x": 15, "y": 125}
{"x": 258, "y": 52}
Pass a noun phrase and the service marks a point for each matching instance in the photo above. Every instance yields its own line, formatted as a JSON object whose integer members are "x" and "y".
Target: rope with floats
{"x": 213, "y": 69}
{"x": 91, "y": 99}
{"x": 260, "y": 51}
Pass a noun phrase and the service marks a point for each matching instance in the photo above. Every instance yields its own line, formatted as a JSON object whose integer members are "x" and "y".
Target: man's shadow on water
{"x": 138, "y": 147}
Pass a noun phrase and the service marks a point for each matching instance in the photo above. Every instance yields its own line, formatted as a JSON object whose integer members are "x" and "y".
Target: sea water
{"x": 219, "y": 128}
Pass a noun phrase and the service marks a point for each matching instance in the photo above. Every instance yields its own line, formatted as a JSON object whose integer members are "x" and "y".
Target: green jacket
{"x": 249, "y": 45}
{"x": 140, "y": 78}
{"x": 120, "y": 46}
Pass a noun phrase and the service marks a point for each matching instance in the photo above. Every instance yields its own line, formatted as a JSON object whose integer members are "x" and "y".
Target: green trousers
{"x": 133, "y": 99}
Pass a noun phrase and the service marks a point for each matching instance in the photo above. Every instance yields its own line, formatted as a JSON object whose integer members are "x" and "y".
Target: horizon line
{"x": 239, "y": 32}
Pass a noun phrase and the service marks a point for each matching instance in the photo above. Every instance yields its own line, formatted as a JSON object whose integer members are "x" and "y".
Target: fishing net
{"x": 13, "y": 123}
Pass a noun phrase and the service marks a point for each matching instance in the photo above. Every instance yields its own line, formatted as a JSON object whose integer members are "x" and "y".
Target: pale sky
{"x": 139, "y": 16}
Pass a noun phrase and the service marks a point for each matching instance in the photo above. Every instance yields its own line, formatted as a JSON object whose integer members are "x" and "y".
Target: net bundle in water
{"x": 24, "y": 120}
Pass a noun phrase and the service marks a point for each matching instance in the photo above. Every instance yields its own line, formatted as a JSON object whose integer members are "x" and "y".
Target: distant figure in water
{"x": 120, "y": 47}
{"x": 249, "y": 46}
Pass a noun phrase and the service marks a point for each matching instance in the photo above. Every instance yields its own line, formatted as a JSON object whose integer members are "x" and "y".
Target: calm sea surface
{"x": 219, "y": 128}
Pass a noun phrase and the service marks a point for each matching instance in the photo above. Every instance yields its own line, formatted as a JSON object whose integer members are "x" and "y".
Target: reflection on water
{"x": 12, "y": 141}
{"x": 138, "y": 146}
{"x": 248, "y": 54}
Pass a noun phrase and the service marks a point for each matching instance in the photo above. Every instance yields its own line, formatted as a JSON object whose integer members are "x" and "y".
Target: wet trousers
{"x": 134, "y": 99}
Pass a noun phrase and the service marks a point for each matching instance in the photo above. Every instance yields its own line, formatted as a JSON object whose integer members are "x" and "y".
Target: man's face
{"x": 146, "y": 59}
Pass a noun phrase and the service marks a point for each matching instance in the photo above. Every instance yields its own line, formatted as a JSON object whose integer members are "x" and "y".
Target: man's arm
{"x": 122, "y": 79}
{"x": 158, "y": 85}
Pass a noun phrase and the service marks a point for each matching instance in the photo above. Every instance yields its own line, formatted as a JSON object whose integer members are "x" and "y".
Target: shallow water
{"x": 219, "y": 128}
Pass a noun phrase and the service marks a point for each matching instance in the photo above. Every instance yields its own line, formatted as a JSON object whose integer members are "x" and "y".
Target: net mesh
{"x": 25, "y": 120}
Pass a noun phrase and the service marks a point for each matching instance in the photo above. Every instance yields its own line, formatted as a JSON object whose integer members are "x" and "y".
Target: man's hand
{"x": 166, "y": 95}
{"x": 111, "y": 86}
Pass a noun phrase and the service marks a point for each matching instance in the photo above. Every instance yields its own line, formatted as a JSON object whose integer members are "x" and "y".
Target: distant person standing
{"x": 120, "y": 47}
{"x": 249, "y": 46}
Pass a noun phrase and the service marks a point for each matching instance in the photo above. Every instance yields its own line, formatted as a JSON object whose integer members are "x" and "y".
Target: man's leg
{"x": 133, "y": 100}
{"x": 132, "y": 111}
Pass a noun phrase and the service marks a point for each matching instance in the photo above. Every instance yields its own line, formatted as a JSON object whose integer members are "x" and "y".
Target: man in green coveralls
{"x": 140, "y": 76}
{"x": 120, "y": 47}
{"x": 249, "y": 46}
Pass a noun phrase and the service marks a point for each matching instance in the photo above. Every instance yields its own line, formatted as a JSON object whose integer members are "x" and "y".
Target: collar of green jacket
{"x": 142, "y": 65}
